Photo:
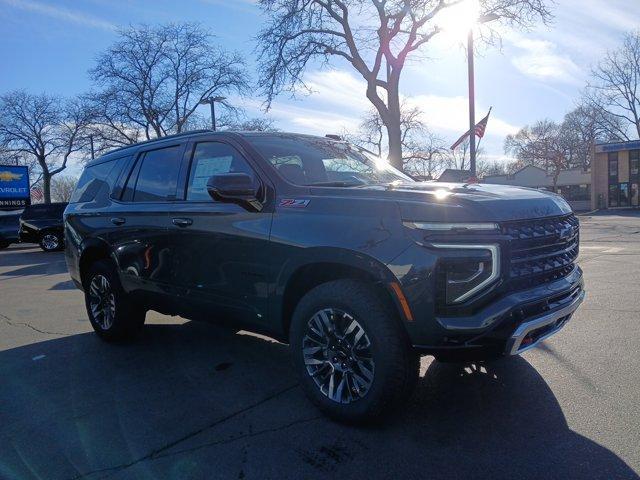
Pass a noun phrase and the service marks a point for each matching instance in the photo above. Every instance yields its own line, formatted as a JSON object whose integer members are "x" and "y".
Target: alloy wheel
{"x": 337, "y": 355}
{"x": 50, "y": 241}
{"x": 102, "y": 301}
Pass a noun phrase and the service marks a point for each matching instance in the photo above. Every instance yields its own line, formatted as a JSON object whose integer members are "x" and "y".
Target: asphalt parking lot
{"x": 190, "y": 400}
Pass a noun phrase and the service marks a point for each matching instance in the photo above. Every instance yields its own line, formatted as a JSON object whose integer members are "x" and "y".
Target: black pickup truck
{"x": 321, "y": 245}
{"x": 42, "y": 224}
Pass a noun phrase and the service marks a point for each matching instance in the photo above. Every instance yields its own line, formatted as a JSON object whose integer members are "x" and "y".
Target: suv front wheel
{"x": 111, "y": 312}
{"x": 351, "y": 354}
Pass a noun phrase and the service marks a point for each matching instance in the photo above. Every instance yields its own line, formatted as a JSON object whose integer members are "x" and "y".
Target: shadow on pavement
{"x": 197, "y": 401}
{"x": 32, "y": 262}
{"x": 66, "y": 285}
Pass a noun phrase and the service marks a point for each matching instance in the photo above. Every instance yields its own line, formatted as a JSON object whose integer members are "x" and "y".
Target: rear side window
{"x": 97, "y": 180}
{"x": 158, "y": 176}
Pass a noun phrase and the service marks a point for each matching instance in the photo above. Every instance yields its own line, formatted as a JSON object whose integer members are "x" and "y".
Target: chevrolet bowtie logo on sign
{"x": 14, "y": 187}
{"x": 6, "y": 176}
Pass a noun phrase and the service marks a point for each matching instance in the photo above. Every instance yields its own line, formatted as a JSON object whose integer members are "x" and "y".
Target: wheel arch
{"x": 321, "y": 266}
{"x": 92, "y": 250}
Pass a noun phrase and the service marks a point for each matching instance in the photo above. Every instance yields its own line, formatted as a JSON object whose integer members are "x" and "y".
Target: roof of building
{"x": 454, "y": 175}
{"x": 536, "y": 177}
{"x": 617, "y": 146}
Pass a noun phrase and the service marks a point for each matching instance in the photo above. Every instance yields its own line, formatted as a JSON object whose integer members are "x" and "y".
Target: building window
{"x": 634, "y": 195}
{"x": 613, "y": 195}
{"x": 624, "y": 195}
{"x": 634, "y": 163}
{"x": 575, "y": 193}
{"x": 613, "y": 167}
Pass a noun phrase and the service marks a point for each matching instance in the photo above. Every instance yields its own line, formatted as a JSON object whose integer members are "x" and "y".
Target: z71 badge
{"x": 294, "y": 202}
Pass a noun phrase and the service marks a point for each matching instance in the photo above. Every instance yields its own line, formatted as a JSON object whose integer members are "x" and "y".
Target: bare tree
{"x": 584, "y": 126}
{"x": 152, "y": 79}
{"x": 422, "y": 150}
{"x": 568, "y": 144}
{"x": 370, "y": 134}
{"x": 257, "y": 124}
{"x": 376, "y": 37}
{"x": 62, "y": 188}
{"x": 615, "y": 85}
{"x": 543, "y": 144}
{"x": 44, "y": 129}
{"x": 459, "y": 158}
{"x": 426, "y": 156}
{"x": 485, "y": 167}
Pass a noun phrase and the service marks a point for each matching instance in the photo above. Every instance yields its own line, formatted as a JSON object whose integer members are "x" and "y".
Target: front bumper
{"x": 533, "y": 331}
{"x": 512, "y": 324}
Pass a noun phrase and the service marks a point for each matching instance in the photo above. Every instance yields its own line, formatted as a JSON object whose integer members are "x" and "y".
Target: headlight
{"x": 469, "y": 271}
{"x": 452, "y": 227}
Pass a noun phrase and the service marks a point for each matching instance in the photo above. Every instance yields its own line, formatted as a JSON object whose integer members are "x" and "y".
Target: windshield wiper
{"x": 334, "y": 184}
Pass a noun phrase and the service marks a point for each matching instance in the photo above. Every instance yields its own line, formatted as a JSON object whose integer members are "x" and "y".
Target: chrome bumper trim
{"x": 514, "y": 342}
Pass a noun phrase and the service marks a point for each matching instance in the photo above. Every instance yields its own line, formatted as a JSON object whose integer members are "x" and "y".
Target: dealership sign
{"x": 14, "y": 186}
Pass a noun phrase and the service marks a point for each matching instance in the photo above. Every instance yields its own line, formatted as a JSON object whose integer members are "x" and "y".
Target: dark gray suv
{"x": 324, "y": 246}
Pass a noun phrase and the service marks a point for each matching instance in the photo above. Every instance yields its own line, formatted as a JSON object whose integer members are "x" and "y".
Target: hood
{"x": 450, "y": 202}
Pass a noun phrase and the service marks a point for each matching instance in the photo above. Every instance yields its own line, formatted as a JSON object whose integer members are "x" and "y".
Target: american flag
{"x": 479, "y": 130}
{"x": 36, "y": 194}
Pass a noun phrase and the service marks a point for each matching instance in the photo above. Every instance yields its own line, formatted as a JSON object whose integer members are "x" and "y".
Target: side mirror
{"x": 237, "y": 188}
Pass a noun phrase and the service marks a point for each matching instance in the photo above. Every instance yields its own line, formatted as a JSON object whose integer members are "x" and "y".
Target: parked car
{"x": 323, "y": 246}
{"x": 9, "y": 226}
{"x": 43, "y": 224}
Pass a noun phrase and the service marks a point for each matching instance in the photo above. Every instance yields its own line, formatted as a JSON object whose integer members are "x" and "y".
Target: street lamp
{"x": 211, "y": 101}
{"x": 459, "y": 19}
{"x": 472, "y": 93}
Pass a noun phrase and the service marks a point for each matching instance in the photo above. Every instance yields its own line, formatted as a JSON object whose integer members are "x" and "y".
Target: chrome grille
{"x": 542, "y": 249}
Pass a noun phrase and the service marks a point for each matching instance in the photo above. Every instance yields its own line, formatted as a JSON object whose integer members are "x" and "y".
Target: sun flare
{"x": 457, "y": 20}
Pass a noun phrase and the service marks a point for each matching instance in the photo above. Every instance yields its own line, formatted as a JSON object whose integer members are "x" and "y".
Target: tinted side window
{"x": 97, "y": 179}
{"x": 158, "y": 175}
{"x": 211, "y": 158}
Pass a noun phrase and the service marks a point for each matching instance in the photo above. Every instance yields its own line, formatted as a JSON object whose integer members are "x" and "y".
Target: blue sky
{"x": 48, "y": 45}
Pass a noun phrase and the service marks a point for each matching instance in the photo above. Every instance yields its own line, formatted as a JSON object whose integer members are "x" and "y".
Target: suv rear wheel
{"x": 111, "y": 312}
{"x": 50, "y": 241}
{"x": 353, "y": 358}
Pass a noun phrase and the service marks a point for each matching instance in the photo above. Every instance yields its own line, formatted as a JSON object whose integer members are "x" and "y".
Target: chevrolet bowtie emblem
{"x": 6, "y": 176}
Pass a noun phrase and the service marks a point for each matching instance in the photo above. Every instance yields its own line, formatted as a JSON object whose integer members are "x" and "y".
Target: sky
{"x": 48, "y": 46}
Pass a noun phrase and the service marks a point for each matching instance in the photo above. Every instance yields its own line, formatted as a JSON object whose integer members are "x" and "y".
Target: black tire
{"x": 51, "y": 242}
{"x": 396, "y": 364}
{"x": 4, "y": 245}
{"x": 125, "y": 319}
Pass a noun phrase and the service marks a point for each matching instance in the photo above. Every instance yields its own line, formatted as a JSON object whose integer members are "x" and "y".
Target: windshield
{"x": 316, "y": 161}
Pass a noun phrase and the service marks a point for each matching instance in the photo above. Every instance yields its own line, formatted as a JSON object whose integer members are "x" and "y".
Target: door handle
{"x": 181, "y": 222}
{"x": 118, "y": 220}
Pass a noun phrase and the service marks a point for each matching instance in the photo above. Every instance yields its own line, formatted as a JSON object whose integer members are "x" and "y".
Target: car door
{"x": 220, "y": 250}
{"x": 139, "y": 232}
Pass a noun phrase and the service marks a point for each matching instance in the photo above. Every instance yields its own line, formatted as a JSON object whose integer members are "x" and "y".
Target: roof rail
{"x": 167, "y": 137}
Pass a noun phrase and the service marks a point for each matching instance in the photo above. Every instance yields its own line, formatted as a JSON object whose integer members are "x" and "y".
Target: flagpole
{"x": 472, "y": 107}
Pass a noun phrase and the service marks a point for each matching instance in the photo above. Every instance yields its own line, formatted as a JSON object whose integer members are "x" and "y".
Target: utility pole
{"x": 93, "y": 154}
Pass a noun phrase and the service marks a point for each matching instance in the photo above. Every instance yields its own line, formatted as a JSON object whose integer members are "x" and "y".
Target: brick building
{"x": 615, "y": 175}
